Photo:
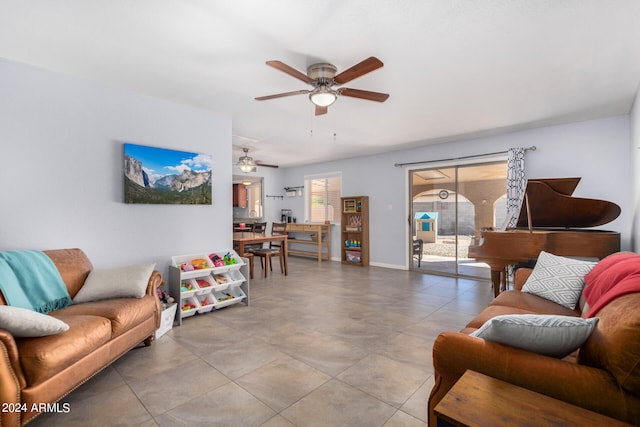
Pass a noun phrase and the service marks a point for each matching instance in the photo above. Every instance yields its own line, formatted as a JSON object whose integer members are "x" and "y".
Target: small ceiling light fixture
{"x": 246, "y": 183}
{"x": 323, "y": 96}
{"x": 246, "y": 163}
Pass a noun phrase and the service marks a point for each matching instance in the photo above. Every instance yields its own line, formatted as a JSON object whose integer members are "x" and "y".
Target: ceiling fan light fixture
{"x": 246, "y": 168}
{"x": 246, "y": 163}
{"x": 323, "y": 96}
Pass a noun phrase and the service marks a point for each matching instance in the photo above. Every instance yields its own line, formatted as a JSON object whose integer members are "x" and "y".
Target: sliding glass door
{"x": 449, "y": 208}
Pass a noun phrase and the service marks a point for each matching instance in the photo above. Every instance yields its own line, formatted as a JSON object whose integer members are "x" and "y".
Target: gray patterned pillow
{"x": 558, "y": 279}
{"x": 555, "y": 336}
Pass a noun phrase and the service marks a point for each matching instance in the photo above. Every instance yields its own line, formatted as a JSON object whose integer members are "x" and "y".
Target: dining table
{"x": 243, "y": 238}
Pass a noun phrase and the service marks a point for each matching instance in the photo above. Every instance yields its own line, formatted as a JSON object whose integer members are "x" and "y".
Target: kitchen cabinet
{"x": 239, "y": 196}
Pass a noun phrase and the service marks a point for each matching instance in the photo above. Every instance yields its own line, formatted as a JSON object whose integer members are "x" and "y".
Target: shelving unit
{"x": 207, "y": 287}
{"x": 355, "y": 230}
{"x": 319, "y": 235}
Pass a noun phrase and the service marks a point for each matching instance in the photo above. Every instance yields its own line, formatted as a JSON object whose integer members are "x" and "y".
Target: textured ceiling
{"x": 454, "y": 69}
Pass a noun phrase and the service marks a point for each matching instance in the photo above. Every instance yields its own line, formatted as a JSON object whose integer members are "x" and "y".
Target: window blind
{"x": 323, "y": 202}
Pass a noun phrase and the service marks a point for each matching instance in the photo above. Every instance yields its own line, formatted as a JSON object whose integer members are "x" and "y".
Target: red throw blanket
{"x": 614, "y": 276}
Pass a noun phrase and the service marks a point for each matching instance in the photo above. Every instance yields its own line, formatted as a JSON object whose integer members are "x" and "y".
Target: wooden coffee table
{"x": 477, "y": 400}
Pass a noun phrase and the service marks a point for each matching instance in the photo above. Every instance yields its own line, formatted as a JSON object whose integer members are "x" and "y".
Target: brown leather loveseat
{"x": 42, "y": 370}
{"x": 603, "y": 375}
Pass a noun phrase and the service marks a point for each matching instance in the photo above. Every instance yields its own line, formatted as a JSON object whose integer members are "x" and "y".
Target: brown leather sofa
{"x": 602, "y": 376}
{"x": 37, "y": 371}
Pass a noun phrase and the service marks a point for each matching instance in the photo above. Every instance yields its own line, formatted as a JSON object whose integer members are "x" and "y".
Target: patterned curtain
{"x": 516, "y": 183}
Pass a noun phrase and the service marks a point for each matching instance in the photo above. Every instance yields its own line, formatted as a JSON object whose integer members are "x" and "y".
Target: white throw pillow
{"x": 25, "y": 323}
{"x": 121, "y": 282}
{"x": 555, "y": 336}
{"x": 558, "y": 279}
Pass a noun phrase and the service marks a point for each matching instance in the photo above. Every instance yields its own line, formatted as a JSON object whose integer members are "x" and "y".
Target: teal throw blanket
{"x": 29, "y": 279}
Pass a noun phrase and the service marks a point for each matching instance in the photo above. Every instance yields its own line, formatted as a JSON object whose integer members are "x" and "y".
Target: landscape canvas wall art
{"x": 161, "y": 176}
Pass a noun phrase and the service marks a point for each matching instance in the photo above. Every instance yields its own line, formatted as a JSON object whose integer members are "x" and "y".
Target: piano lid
{"x": 550, "y": 205}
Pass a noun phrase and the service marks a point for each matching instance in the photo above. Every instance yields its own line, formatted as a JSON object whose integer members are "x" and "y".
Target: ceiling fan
{"x": 247, "y": 164}
{"x": 323, "y": 77}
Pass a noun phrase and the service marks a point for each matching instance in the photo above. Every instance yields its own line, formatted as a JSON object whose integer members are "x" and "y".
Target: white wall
{"x": 597, "y": 151}
{"x": 61, "y": 181}
{"x": 273, "y": 186}
{"x": 62, "y": 178}
{"x": 634, "y": 155}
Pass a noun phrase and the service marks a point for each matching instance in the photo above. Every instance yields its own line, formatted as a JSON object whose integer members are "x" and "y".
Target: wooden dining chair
{"x": 249, "y": 256}
{"x": 274, "y": 249}
{"x": 259, "y": 227}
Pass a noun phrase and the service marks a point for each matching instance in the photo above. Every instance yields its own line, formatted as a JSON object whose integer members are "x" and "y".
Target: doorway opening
{"x": 248, "y": 203}
{"x": 450, "y": 206}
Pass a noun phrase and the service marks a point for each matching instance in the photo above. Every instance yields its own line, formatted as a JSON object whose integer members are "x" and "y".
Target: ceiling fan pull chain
{"x": 311, "y": 118}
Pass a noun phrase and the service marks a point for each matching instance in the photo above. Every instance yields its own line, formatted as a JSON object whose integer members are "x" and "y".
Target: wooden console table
{"x": 319, "y": 230}
{"x": 479, "y": 400}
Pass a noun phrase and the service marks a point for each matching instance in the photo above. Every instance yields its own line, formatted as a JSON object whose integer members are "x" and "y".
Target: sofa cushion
{"x": 119, "y": 282}
{"x": 21, "y": 322}
{"x": 492, "y": 311}
{"x": 551, "y": 335}
{"x": 558, "y": 279}
{"x": 615, "y": 343}
{"x": 516, "y": 302}
{"x": 43, "y": 357}
{"x": 532, "y": 303}
{"x": 73, "y": 265}
{"x": 123, "y": 313}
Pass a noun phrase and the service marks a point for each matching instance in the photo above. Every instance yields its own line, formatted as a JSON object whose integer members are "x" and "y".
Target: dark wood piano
{"x": 553, "y": 221}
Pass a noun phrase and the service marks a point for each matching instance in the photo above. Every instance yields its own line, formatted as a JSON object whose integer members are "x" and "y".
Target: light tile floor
{"x": 328, "y": 345}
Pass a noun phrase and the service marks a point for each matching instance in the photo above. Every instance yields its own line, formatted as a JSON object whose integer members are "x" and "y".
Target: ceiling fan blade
{"x": 281, "y": 95}
{"x": 266, "y": 165}
{"x": 278, "y": 65}
{"x": 364, "y": 94}
{"x": 321, "y": 110}
{"x": 368, "y": 65}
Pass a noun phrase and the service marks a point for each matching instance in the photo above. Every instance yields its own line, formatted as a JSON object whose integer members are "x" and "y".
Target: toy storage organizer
{"x": 207, "y": 287}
